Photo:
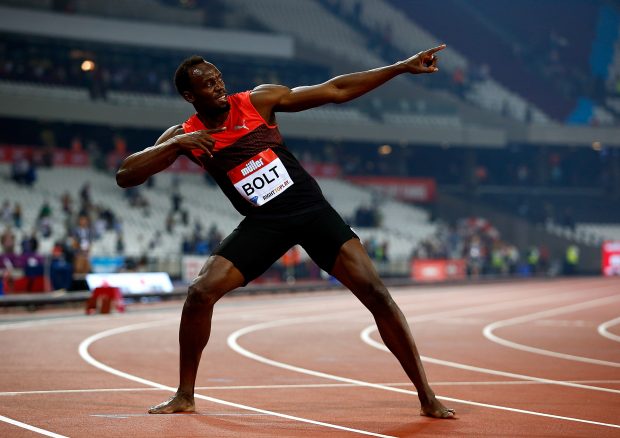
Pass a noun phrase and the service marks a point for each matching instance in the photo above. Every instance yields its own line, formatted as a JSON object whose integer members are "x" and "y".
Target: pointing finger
{"x": 215, "y": 130}
{"x": 435, "y": 49}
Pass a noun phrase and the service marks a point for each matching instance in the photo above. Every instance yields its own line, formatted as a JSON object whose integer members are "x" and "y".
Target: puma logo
{"x": 242, "y": 126}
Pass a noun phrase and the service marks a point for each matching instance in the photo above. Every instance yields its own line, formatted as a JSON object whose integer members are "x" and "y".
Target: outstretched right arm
{"x": 138, "y": 167}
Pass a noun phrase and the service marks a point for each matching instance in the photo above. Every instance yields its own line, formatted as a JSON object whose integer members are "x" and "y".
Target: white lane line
{"x": 30, "y": 428}
{"x": 46, "y": 321}
{"x": 602, "y": 329}
{"x": 195, "y": 414}
{"x": 234, "y": 344}
{"x": 295, "y": 386}
{"x": 365, "y": 335}
{"x": 83, "y": 350}
{"x": 489, "y": 328}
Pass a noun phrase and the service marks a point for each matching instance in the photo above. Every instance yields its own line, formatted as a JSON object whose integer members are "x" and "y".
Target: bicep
{"x": 284, "y": 99}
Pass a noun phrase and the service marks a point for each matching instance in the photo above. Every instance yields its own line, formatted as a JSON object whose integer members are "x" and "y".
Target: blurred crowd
{"x": 479, "y": 243}
{"x": 102, "y": 69}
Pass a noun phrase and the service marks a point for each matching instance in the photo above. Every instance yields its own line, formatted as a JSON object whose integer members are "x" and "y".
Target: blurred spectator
{"x": 176, "y": 200}
{"x": 85, "y": 197}
{"x": 23, "y": 171}
{"x": 571, "y": 260}
{"x": 83, "y": 234}
{"x": 7, "y": 241}
{"x": 290, "y": 260}
{"x": 476, "y": 241}
{"x": 214, "y": 237}
{"x": 17, "y": 215}
{"x": 533, "y": 259}
{"x": 30, "y": 243}
{"x": 61, "y": 266}
{"x": 6, "y": 212}
{"x": 475, "y": 256}
{"x": 45, "y": 211}
{"x": 44, "y": 226}
{"x": 67, "y": 203}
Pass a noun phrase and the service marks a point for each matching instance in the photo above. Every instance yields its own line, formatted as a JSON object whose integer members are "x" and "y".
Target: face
{"x": 208, "y": 90}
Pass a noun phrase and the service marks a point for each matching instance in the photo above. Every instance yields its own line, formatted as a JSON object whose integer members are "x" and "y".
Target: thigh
{"x": 254, "y": 246}
{"x": 355, "y": 270}
{"x": 323, "y": 236}
{"x": 353, "y": 267}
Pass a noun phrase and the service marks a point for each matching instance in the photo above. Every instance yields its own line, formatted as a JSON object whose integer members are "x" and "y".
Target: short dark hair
{"x": 181, "y": 76}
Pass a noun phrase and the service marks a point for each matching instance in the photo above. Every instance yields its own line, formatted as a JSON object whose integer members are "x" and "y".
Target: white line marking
{"x": 42, "y": 321}
{"x": 29, "y": 427}
{"x": 488, "y": 330}
{"x": 602, "y": 329}
{"x": 365, "y": 335}
{"x": 194, "y": 414}
{"x": 296, "y": 386}
{"x": 83, "y": 350}
{"x": 233, "y": 343}
{"x": 234, "y": 337}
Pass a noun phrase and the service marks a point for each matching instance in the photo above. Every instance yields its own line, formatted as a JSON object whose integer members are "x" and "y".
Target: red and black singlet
{"x": 254, "y": 168}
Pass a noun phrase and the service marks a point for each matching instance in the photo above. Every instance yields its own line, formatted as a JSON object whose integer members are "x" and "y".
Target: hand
{"x": 201, "y": 140}
{"x": 424, "y": 62}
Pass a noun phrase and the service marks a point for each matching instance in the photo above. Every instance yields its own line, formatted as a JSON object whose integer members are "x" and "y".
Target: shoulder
{"x": 268, "y": 94}
{"x": 266, "y": 98}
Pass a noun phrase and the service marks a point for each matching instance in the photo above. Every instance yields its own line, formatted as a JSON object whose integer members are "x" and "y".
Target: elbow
{"x": 342, "y": 95}
{"x": 123, "y": 179}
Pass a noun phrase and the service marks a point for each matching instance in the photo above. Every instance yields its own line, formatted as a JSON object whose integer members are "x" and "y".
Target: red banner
{"x": 403, "y": 188}
{"x": 611, "y": 258}
{"x": 438, "y": 270}
{"x": 60, "y": 157}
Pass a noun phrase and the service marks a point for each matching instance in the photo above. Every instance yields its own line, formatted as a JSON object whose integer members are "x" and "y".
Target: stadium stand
{"x": 493, "y": 128}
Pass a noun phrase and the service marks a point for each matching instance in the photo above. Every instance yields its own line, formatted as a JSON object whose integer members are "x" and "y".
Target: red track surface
{"x": 309, "y": 362}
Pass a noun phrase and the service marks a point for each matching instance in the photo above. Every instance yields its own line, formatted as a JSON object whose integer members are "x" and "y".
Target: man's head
{"x": 200, "y": 83}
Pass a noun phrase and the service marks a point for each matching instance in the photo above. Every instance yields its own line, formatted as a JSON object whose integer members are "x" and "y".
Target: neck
{"x": 212, "y": 119}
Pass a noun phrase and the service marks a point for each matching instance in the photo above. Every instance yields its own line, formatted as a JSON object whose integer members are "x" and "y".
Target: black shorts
{"x": 256, "y": 244}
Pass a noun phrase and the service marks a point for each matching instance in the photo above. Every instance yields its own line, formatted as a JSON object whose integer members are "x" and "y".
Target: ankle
{"x": 426, "y": 397}
{"x": 188, "y": 395}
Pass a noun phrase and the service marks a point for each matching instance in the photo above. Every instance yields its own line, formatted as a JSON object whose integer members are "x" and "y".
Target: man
{"x": 236, "y": 139}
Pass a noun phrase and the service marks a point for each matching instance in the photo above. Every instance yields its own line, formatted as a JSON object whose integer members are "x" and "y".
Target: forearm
{"x": 138, "y": 167}
{"x": 352, "y": 85}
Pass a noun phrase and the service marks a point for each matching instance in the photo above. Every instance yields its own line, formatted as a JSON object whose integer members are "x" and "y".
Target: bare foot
{"x": 436, "y": 409}
{"x": 177, "y": 403}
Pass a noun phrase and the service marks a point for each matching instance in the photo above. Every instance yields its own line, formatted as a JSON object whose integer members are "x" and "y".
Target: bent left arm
{"x": 272, "y": 98}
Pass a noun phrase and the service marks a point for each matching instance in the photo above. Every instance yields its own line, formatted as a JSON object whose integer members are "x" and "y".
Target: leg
{"x": 355, "y": 270}
{"x": 217, "y": 277}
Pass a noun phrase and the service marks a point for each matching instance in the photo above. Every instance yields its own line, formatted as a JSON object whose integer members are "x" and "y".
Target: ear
{"x": 189, "y": 96}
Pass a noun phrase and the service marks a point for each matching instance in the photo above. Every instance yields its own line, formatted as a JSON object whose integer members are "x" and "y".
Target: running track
{"x": 535, "y": 359}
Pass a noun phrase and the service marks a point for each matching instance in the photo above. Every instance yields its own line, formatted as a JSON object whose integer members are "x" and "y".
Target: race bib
{"x": 261, "y": 179}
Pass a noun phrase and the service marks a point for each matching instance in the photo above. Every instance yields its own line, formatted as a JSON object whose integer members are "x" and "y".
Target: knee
{"x": 378, "y": 299}
{"x": 200, "y": 294}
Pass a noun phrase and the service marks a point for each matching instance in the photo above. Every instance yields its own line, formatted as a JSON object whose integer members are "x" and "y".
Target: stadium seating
{"x": 314, "y": 25}
{"x": 403, "y": 226}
